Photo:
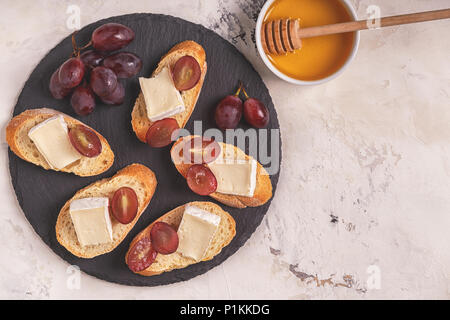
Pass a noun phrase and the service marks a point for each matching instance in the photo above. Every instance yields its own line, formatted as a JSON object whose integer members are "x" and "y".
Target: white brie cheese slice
{"x": 52, "y": 140}
{"x": 196, "y": 230}
{"x": 162, "y": 99}
{"x": 90, "y": 217}
{"x": 235, "y": 176}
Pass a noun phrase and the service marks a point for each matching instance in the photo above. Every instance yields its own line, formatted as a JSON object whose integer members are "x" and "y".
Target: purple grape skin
{"x": 256, "y": 113}
{"x": 92, "y": 58}
{"x": 103, "y": 81}
{"x": 124, "y": 64}
{"x": 56, "y": 89}
{"x": 228, "y": 112}
{"x": 116, "y": 97}
{"x": 71, "y": 73}
{"x": 83, "y": 100}
{"x": 111, "y": 37}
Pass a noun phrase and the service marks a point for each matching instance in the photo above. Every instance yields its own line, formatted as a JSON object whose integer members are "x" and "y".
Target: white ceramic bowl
{"x": 281, "y": 75}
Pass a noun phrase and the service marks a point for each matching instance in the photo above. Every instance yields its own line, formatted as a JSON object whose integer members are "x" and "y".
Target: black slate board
{"x": 42, "y": 193}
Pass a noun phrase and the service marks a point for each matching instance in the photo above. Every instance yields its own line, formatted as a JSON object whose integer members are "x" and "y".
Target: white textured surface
{"x": 365, "y": 176}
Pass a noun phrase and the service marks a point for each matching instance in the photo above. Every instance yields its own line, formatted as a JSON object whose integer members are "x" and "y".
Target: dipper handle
{"x": 284, "y": 35}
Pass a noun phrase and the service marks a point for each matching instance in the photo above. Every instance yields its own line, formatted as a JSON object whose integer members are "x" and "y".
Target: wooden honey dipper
{"x": 284, "y": 35}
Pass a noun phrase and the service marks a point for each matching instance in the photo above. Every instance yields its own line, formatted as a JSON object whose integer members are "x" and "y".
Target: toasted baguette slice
{"x": 139, "y": 119}
{"x": 263, "y": 189}
{"x": 223, "y": 236}
{"x": 19, "y": 142}
{"x": 136, "y": 176}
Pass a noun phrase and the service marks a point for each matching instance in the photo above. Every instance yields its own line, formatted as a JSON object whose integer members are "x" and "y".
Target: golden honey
{"x": 319, "y": 57}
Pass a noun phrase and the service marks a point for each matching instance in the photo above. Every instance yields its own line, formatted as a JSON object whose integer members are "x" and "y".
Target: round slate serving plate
{"x": 42, "y": 193}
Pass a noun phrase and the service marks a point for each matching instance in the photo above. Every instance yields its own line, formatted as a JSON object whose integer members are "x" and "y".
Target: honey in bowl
{"x": 319, "y": 57}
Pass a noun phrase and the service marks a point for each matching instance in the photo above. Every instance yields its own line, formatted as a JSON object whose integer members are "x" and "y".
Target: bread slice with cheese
{"x": 139, "y": 119}
{"x": 19, "y": 142}
{"x": 263, "y": 188}
{"x": 222, "y": 237}
{"x": 136, "y": 176}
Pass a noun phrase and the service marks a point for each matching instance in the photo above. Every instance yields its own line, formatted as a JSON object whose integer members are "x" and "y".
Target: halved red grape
{"x": 85, "y": 141}
{"x": 103, "y": 81}
{"x": 83, "y": 100}
{"x": 200, "y": 150}
{"x": 71, "y": 73}
{"x": 164, "y": 238}
{"x": 116, "y": 97}
{"x": 256, "y": 113}
{"x": 56, "y": 89}
{"x": 228, "y": 112}
{"x": 201, "y": 180}
{"x": 186, "y": 73}
{"x": 160, "y": 132}
{"x": 141, "y": 255}
{"x": 111, "y": 37}
{"x": 124, "y": 205}
{"x": 92, "y": 58}
{"x": 124, "y": 64}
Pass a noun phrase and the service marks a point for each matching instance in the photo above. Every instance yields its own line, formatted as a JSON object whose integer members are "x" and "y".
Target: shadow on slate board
{"x": 42, "y": 193}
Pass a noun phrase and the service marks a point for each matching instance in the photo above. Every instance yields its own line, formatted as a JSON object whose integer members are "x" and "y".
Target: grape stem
{"x": 76, "y": 49}
{"x": 239, "y": 89}
{"x": 245, "y": 92}
{"x": 87, "y": 45}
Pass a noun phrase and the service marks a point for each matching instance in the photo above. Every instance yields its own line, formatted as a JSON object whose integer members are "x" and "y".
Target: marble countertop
{"x": 366, "y": 155}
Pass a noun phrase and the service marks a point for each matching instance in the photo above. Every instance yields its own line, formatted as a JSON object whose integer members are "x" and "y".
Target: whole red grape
{"x": 116, "y": 97}
{"x": 71, "y": 73}
{"x": 92, "y": 58}
{"x": 124, "y": 64}
{"x": 228, "y": 112}
{"x": 83, "y": 100}
{"x": 111, "y": 37}
{"x": 256, "y": 113}
{"x": 56, "y": 89}
{"x": 103, "y": 81}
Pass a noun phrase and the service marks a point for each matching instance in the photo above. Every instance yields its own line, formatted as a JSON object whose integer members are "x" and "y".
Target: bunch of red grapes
{"x": 96, "y": 72}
